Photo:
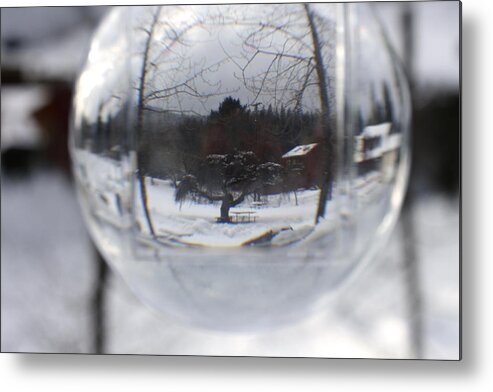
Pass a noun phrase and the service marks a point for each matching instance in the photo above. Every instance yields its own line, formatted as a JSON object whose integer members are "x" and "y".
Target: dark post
{"x": 97, "y": 303}
{"x": 411, "y": 263}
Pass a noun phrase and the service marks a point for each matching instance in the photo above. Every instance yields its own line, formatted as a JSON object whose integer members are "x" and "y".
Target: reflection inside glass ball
{"x": 234, "y": 163}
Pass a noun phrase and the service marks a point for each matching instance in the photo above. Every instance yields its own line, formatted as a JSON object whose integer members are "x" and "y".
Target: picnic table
{"x": 243, "y": 216}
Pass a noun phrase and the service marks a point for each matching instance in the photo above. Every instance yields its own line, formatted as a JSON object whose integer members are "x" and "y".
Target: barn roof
{"x": 300, "y": 150}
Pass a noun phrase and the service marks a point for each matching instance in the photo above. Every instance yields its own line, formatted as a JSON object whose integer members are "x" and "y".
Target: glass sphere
{"x": 236, "y": 162}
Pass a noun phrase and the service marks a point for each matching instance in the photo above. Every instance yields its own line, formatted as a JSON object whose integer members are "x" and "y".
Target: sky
{"x": 437, "y": 32}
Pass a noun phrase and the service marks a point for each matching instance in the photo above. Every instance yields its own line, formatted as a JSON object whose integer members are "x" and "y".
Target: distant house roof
{"x": 376, "y": 130}
{"x": 300, "y": 150}
{"x": 387, "y": 142}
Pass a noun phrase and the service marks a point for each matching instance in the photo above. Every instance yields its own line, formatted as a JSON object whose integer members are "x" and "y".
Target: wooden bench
{"x": 243, "y": 216}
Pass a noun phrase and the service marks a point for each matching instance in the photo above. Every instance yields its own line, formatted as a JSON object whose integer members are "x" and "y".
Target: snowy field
{"x": 107, "y": 185}
{"x": 48, "y": 281}
{"x": 289, "y": 216}
{"x": 197, "y": 223}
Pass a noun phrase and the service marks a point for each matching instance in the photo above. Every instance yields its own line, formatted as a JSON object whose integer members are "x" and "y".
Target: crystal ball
{"x": 235, "y": 163}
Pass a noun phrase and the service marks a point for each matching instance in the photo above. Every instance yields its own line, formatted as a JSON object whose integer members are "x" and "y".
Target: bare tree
{"x": 166, "y": 72}
{"x": 293, "y": 46}
{"x": 144, "y": 73}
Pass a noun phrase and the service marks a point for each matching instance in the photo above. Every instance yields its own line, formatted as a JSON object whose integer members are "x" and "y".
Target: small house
{"x": 303, "y": 166}
{"x": 377, "y": 149}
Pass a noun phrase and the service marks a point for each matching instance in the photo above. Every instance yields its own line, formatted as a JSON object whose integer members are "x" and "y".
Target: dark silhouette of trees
{"x": 233, "y": 171}
{"x": 177, "y": 144}
{"x": 230, "y": 107}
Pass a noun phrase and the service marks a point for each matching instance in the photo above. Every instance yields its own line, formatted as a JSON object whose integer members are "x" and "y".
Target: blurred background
{"x": 58, "y": 295}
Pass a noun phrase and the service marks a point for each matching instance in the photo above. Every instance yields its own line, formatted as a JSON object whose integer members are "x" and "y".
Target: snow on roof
{"x": 376, "y": 130}
{"x": 300, "y": 150}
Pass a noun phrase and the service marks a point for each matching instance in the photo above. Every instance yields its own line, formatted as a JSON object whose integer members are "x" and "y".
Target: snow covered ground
{"x": 108, "y": 189}
{"x": 106, "y": 185}
{"x": 47, "y": 283}
{"x": 197, "y": 223}
{"x": 47, "y": 267}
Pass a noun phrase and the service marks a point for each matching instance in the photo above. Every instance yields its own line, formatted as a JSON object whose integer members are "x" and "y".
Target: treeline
{"x": 108, "y": 136}
{"x": 175, "y": 145}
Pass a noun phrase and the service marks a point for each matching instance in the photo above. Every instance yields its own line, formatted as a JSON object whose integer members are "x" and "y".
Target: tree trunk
{"x": 225, "y": 206}
{"x": 140, "y": 121}
{"x": 228, "y": 202}
{"x": 326, "y": 186}
{"x": 143, "y": 195}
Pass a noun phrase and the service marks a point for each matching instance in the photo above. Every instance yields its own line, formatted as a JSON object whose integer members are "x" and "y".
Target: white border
{"x": 127, "y": 373}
